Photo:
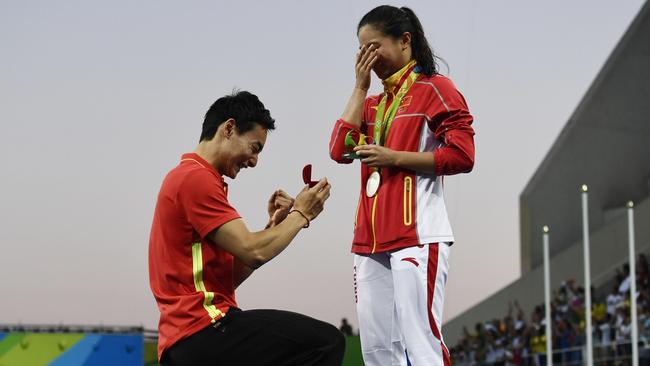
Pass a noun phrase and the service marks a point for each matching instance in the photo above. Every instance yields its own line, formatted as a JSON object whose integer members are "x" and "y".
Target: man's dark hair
{"x": 242, "y": 106}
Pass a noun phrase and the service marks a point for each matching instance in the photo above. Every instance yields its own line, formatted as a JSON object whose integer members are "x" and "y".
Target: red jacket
{"x": 409, "y": 208}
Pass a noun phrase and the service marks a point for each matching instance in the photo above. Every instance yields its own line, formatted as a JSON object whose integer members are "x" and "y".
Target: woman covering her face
{"x": 407, "y": 138}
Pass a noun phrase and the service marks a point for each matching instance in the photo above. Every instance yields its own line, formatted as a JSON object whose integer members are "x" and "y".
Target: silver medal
{"x": 372, "y": 184}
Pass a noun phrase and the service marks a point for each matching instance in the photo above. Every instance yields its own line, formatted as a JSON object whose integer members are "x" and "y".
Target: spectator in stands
{"x": 346, "y": 328}
{"x": 643, "y": 298}
{"x": 572, "y": 289}
{"x": 613, "y": 300}
{"x": 623, "y": 337}
{"x": 599, "y": 312}
{"x": 603, "y": 338}
{"x": 537, "y": 316}
{"x": 624, "y": 287}
{"x": 515, "y": 345}
{"x": 562, "y": 299}
{"x": 462, "y": 352}
{"x": 644, "y": 325}
{"x": 642, "y": 272}
{"x": 519, "y": 322}
{"x": 538, "y": 346}
{"x": 490, "y": 352}
{"x": 563, "y": 339}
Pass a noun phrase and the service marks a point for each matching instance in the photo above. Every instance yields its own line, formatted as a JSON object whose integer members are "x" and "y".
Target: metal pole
{"x": 635, "y": 331}
{"x": 547, "y": 299}
{"x": 585, "y": 245}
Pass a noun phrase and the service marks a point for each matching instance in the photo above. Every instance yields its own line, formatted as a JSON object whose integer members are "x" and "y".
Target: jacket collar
{"x": 393, "y": 82}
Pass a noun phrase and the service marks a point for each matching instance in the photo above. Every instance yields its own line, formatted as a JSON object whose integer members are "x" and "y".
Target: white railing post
{"x": 547, "y": 299}
{"x": 633, "y": 319}
{"x": 585, "y": 245}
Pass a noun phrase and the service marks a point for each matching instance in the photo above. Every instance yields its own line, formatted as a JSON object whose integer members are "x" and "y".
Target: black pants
{"x": 260, "y": 337}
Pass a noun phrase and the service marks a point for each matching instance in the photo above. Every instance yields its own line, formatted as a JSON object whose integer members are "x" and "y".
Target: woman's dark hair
{"x": 394, "y": 22}
{"x": 244, "y": 107}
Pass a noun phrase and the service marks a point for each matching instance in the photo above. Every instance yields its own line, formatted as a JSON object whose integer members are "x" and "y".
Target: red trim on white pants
{"x": 400, "y": 296}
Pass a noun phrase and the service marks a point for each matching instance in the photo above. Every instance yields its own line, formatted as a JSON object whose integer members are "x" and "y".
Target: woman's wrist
{"x": 362, "y": 89}
{"x": 397, "y": 159}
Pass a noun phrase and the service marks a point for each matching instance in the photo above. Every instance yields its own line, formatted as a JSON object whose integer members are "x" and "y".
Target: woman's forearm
{"x": 354, "y": 108}
{"x": 416, "y": 161}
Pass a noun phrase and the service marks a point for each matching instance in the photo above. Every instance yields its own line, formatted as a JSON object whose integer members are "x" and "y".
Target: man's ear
{"x": 228, "y": 128}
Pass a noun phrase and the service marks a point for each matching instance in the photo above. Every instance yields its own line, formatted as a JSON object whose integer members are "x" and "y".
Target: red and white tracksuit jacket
{"x": 409, "y": 207}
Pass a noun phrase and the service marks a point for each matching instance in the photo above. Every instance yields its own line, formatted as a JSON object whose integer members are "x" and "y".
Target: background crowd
{"x": 519, "y": 340}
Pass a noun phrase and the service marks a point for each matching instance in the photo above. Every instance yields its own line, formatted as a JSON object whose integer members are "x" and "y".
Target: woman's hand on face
{"x": 366, "y": 58}
{"x": 376, "y": 156}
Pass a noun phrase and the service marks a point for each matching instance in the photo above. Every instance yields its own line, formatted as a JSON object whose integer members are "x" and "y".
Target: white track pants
{"x": 399, "y": 298}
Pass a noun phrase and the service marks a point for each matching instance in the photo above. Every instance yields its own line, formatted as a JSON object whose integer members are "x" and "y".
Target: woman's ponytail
{"x": 421, "y": 50}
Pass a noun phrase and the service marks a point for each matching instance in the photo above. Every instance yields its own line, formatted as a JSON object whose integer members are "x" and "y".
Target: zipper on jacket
{"x": 408, "y": 200}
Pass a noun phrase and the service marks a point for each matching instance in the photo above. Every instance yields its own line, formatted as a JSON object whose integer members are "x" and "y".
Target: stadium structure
{"x": 606, "y": 145}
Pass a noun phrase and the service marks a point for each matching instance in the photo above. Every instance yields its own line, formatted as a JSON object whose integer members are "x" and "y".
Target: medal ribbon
{"x": 384, "y": 118}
